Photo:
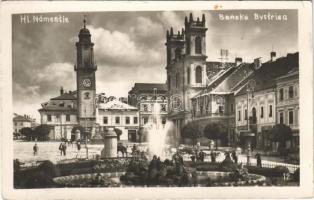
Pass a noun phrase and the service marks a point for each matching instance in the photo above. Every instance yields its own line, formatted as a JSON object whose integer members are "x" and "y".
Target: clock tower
{"x": 85, "y": 79}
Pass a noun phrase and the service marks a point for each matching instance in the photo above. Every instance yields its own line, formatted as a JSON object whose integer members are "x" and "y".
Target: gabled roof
{"x": 20, "y": 118}
{"x": 231, "y": 81}
{"x": 57, "y": 108}
{"x": 115, "y": 105}
{"x": 291, "y": 73}
{"x": 149, "y": 87}
{"x": 65, "y": 96}
{"x": 214, "y": 67}
{"x": 265, "y": 76}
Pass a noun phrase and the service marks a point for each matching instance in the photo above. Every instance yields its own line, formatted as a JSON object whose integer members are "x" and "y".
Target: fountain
{"x": 158, "y": 134}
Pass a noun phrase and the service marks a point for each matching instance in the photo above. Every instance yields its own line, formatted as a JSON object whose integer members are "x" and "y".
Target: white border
{"x": 306, "y": 104}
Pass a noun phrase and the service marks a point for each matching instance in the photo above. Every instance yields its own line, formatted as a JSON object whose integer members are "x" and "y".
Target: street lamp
{"x": 250, "y": 91}
{"x": 85, "y": 130}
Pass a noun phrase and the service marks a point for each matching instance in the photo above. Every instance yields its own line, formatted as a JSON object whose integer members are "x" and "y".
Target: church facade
{"x": 188, "y": 72}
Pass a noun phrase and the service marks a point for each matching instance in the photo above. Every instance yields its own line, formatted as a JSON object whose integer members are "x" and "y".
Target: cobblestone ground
{"x": 50, "y": 151}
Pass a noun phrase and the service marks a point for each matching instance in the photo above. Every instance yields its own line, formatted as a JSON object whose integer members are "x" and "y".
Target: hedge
{"x": 268, "y": 172}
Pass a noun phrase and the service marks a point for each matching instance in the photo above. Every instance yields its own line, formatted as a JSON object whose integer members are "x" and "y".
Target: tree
{"x": 118, "y": 132}
{"x": 215, "y": 131}
{"x": 191, "y": 130}
{"x": 281, "y": 133}
{"x": 42, "y": 132}
{"x": 28, "y": 132}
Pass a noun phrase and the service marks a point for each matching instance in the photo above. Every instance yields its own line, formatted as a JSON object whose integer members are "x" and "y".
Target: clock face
{"x": 86, "y": 82}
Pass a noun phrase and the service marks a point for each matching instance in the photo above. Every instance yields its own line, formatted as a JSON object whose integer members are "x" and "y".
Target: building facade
{"x": 287, "y": 110}
{"x": 257, "y": 101}
{"x": 119, "y": 115}
{"x": 22, "y": 121}
{"x": 151, "y": 101}
{"x": 61, "y": 114}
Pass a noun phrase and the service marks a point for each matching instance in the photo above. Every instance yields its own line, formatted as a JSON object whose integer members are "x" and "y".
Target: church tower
{"x": 196, "y": 50}
{"x": 85, "y": 79}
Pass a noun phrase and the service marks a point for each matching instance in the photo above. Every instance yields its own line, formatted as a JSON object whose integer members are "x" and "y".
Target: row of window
{"x": 291, "y": 117}
{"x": 270, "y": 113}
{"x": 146, "y": 118}
{"x": 67, "y": 117}
{"x": 198, "y": 77}
{"x": 149, "y": 107}
{"x": 117, "y": 120}
{"x": 291, "y": 93}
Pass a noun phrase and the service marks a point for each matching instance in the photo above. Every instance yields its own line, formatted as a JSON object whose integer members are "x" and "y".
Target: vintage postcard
{"x": 132, "y": 100}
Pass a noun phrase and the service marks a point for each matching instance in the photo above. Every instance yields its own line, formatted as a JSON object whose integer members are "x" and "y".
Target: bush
{"x": 268, "y": 172}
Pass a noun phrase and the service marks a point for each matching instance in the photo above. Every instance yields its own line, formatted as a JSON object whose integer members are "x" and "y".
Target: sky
{"x": 129, "y": 48}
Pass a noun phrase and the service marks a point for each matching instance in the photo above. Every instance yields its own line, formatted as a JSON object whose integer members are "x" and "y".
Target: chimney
{"x": 257, "y": 63}
{"x": 61, "y": 90}
{"x": 272, "y": 56}
{"x": 238, "y": 61}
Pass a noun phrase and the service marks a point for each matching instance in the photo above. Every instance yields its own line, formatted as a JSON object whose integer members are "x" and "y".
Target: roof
{"x": 115, "y": 105}
{"x": 57, "y": 108}
{"x": 149, "y": 87}
{"x": 213, "y": 67}
{"x": 234, "y": 78}
{"x": 65, "y": 96}
{"x": 20, "y": 118}
{"x": 291, "y": 73}
{"x": 265, "y": 77}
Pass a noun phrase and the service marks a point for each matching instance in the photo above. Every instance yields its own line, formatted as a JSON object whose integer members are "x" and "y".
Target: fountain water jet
{"x": 158, "y": 134}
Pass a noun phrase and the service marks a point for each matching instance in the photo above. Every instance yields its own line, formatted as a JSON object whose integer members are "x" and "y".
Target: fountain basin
{"x": 88, "y": 180}
{"x": 113, "y": 180}
{"x": 215, "y": 176}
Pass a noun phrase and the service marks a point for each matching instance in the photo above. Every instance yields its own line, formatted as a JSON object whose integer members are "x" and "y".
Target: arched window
{"x": 198, "y": 45}
{"x": 178, "y": 53}
{"x": 189, "y": 75}
{"x": 198, "y": 74}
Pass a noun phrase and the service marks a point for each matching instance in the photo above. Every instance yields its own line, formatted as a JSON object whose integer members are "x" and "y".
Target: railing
{"x": 290, "y": 167}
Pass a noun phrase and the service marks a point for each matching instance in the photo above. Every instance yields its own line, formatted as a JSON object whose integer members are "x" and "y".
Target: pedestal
{"x": 110, "y": 142}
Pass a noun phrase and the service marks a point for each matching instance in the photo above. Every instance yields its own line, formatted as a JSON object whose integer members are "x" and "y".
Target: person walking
{"x": 78, "y": 144}
{"x": 60, "y": 148}
{"x": 201, "y": 156}
{"x": 213, "y": 157}
{"x": 235, "y": 157}
{"x": 258, "y": 160}
{"x": 35, "y": 149}
{"x": 64, "y": 148}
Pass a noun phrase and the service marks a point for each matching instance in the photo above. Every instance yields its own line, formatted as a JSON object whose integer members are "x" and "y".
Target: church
{"x": 188, "y": 72}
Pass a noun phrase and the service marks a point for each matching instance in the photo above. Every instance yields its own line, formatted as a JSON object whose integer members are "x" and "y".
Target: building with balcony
{"x": 61, "y": 114}
{"x": 256, "y": 100}
{"x": 287, "y": 109}
{"x": 119, "y": 115}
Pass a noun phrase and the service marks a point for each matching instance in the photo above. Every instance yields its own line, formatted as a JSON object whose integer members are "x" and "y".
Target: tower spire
{"x": 84, "y": 21}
